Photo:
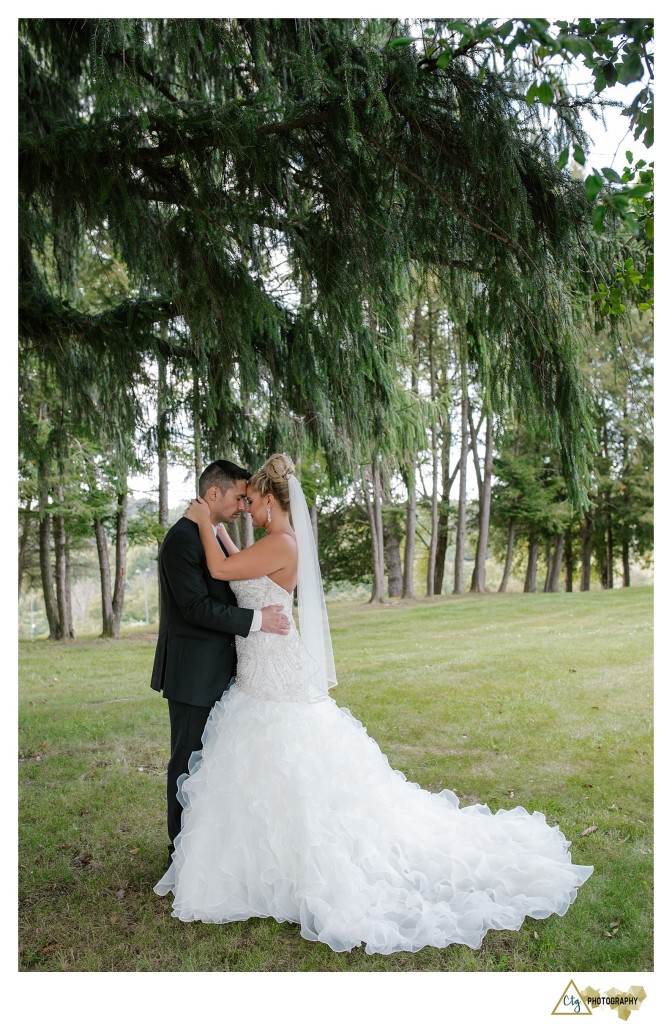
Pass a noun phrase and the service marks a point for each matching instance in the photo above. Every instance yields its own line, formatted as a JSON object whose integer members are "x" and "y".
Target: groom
{"x": 195, "y": 656}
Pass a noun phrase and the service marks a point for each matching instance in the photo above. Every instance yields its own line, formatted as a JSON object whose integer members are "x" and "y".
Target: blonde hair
{"x": 273, "y": 478}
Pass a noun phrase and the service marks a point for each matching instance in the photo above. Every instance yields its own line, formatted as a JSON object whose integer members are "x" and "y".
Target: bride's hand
{"x": 198, "y": 511}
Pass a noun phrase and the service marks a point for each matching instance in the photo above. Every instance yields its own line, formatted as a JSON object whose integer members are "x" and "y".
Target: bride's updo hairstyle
{"x": 273, "y": 478}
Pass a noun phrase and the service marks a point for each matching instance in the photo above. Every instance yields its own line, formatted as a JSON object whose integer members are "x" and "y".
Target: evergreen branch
{"x": 47, "y": 322}
{"x": 436, "y": 191}
{"x": 286, "y": 127}
{"x": 144, "y": 73}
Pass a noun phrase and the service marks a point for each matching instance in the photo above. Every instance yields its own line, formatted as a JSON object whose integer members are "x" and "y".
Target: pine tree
{"x": 209, "y": 151}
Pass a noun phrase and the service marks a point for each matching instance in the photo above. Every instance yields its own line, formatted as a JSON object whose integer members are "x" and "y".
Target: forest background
{"x": 376, "y": 245}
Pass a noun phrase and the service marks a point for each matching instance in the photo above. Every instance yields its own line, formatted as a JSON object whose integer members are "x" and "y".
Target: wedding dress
{"x": 292, "y": 811}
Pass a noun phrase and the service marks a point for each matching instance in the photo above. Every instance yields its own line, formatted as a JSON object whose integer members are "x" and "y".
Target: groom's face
{"x": 229, "y": 504}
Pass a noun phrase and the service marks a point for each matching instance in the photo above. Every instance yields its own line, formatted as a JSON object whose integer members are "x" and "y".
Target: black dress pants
{"x": 187, "y": 722}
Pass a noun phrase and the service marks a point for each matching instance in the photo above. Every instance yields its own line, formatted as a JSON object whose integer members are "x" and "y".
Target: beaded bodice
{"x": 270, "y": 666}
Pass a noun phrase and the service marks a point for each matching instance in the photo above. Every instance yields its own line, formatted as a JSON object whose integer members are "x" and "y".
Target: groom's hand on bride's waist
{"x": 274, "y": 620}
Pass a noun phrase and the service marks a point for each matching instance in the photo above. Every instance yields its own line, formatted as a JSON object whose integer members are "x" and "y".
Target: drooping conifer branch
{"x": 206, "y": 149}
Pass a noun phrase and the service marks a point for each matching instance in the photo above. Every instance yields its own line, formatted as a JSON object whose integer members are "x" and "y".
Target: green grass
{"x": 543, "y": 701}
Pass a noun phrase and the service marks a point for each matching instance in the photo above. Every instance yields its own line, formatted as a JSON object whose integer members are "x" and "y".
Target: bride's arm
{"x": 266, "y": 556}
{"x": 226, "y": 540}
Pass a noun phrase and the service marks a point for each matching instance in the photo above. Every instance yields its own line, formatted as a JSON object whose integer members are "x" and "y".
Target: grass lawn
{"x": 540, "y": 700}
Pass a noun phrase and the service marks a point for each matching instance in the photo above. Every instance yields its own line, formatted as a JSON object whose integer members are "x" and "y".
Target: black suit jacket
{"x": 196, "y": 654}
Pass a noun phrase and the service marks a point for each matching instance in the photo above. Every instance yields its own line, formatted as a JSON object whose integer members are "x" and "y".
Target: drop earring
{"x": 268, "y": 513}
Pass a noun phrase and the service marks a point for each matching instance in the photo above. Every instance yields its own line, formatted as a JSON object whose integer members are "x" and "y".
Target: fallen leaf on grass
{"x": 120, "y": 893}
{"x": 536, "y": 935}
{"x": 587, "y": 831}
{"x": 607, "y": 934}
{"x": 613, "y": 924}
{"x": 86, "y": 858}
{"x": 587, "y": 785}
{"x": 51, "y": 948}
{"x": 510, "y": 794}
{"x": 135, "y": 850}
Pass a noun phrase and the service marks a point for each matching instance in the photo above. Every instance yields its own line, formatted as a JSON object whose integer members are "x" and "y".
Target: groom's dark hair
{"x": 222, "y": 474}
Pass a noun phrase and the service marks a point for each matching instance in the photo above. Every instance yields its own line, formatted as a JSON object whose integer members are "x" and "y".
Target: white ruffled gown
{"x": 292, "y": 811}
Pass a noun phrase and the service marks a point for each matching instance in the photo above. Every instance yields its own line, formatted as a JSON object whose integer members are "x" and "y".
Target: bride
{"x": 292, "y": 811}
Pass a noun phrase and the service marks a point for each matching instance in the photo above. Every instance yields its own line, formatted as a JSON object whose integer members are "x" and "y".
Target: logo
{"x": 574, "y": 1003}
{"x": 622, "y": 1002}
{"x": 571, "y": 1003}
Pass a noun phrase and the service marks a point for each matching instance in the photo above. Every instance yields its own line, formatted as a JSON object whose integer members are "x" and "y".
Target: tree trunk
{"x": 509, "y": 557}
{"x": 121, "y": 548}
{"x": 461, "y": 529}
{"x": 68, "y": 590}
{"x": 610, "y": 554}
{"x": 569, "y": 561}
{"x": 532, "y": 558}
{"x": 443, "y": 530}
{"x": 234, "y": 531}
{"x": 112, "y": 603}
{"x": 46, "y": 570}
{"x": 625, "y": 554}
{"x": 625, "y": 542}
{"x": 198, "y": 432}
{"x": 313, "y": 523}
{"x": 408, "y": 472}
{"x": 372, "y": 507}
{"x": 162, "y": 442}
{"x": 408, "y": 586}
{"x": 23, "y": 542}
{"x": 549, "y": 565}
{"x": 392, "y": 560}
{"x": 105, "y": 578}
{"x": 434, "y": 520}
{"x": 378, "y": 514}
{"x": 245, "y": 530}
{"x": 607, "y": 566}
{"x": 556, "y": 564}
{"x": 478, "y": 576}
{"x": 586, "y": 550}
{"x": 61, "y": 562}
{"x": 391, "y": 541}
{"x": 473, "y": 435}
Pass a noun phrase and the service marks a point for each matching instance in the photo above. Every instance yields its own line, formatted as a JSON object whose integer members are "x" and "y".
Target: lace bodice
{"x": 270, "y": 666}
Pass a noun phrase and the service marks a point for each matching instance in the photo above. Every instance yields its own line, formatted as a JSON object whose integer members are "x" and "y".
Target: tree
{"x": 478, "y": 576}
{"x": 203, "y": 148}
{"x": 613, "y": 50}
{"x": 621, "y": 517}
{"x": 461, "y": 528}
{"x": 529, "y": 500}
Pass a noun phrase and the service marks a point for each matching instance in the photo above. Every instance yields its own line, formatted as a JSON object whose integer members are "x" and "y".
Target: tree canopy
{"x": 271, "y": 188}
